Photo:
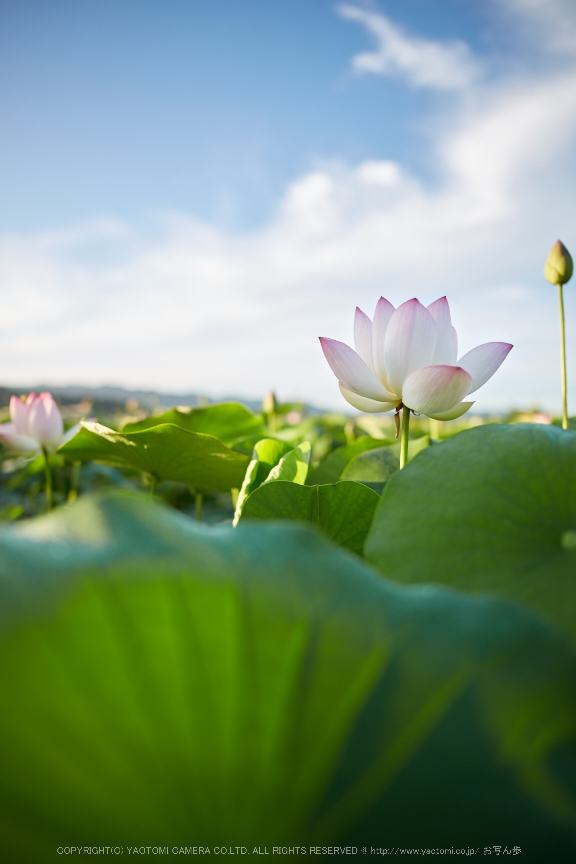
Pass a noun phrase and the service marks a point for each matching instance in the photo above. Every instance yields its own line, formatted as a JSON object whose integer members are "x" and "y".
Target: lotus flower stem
{"x": 198, "y": 499}
{"x": 74, "y": 479}
{"x": 48, "y": 476}
{"x": 563, "y": 358}
{"x": 558, "y": 270}
{"x": 404, "y": 438}
{"x": 153, "y": 484}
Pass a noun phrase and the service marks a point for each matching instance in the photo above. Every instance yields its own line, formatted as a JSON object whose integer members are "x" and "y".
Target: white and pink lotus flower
{"x": 36, "y": 424}
{"x": 406, "y": 357}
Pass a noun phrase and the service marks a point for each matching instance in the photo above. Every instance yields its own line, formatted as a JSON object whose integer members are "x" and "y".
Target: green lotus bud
{"x": 559, "y": 265}
{"x": 269, "y": 403}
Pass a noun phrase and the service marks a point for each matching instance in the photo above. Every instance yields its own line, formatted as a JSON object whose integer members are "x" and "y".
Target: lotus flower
{"x": 36, "y": 424}
{"x": 407, "y": 357}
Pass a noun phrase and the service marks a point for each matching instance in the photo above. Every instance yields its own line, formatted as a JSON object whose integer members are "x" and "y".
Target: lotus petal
{"x": 409, "y": 344}
{"x": 483, "y": 361}
{"x": 435, "y": 389}
{"x": 14, "y": 441}
{"x": 363, "y": 336}
{"x": 370, "y": 406}
{"x": 382, "y": 316}
{"x": 19, "y": 412}
{"x": 444, "y": 353}
{"x": 353, "y": 372}
{"x": 45, "y": 421}
{"x": 458, "y": 411}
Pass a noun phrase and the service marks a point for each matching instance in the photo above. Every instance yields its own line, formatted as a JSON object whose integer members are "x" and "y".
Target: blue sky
{"x": 210, "y": 107}
{"x": 194, "y": 191}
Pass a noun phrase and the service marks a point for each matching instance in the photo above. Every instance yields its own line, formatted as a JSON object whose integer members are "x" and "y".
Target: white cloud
{"x": 186, "y": 306}
{"x": 550, "y": 25}
{"x": 421, "y": 62}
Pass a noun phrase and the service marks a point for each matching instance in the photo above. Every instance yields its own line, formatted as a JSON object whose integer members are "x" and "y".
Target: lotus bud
{"x": 559, "y": 265}
{"x": 269, "y": 403}
{"x": 45, "y": 421}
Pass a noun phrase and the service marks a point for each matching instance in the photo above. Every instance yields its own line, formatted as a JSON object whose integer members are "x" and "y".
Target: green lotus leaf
{"x": 293, "y": 465}
{"x": 167, "y": 684}
{"x": 343, "y": 511}
{"x": 330, "y": 469}
{"x": 266, "y": 455}
{"x": 227, "y": 421}
{"x": 167, "y": 452}
{"x": 373, "y": 468}
{"x": 492, "y": 509}
{"x": 336, "y": 463}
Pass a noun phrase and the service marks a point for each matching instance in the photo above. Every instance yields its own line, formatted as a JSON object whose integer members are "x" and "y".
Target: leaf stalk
{"x": 153, "y": 484}
{"x": 48, "y": 476}
{"x": 74, "y": 481}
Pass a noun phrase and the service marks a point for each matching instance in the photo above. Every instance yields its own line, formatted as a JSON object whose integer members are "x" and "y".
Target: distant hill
{"x": 106, "y": 399}
{"x": 111, "y": 398}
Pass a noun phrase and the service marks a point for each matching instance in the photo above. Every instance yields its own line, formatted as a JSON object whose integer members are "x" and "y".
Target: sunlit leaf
{"x": 267, "y": 453}
{"x": 293, "y": 466}
{"x": 167, "y": 452}
{"x": 226, "y": 421}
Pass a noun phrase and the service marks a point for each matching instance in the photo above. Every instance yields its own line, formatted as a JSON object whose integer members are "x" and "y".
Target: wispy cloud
{"x": 421, "y": 62}
{"x": 550, "y": 25}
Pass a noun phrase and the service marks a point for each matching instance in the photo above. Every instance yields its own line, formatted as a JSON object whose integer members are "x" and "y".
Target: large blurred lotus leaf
{"x": 167, "y": 452}
{"x": 165, "y": 684}
{"x": 491, "y": 509}
{"x": 227, "y": 421}
{"x": 343, "y": 511}
{"x": 266, "y": 454}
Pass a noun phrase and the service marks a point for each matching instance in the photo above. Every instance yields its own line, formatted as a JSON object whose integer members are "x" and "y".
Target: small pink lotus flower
{"x": 36, "y": 424}
{"x": 407, "y": 357}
